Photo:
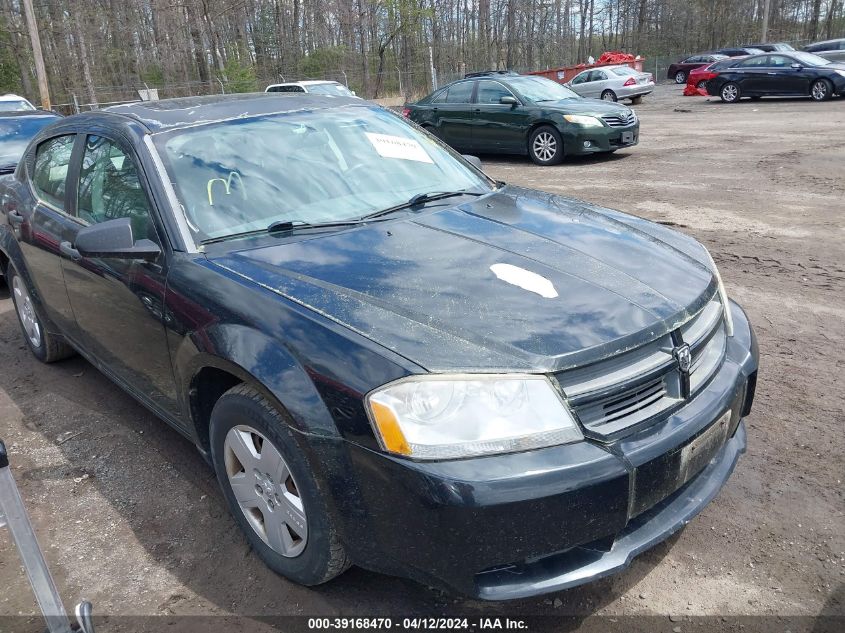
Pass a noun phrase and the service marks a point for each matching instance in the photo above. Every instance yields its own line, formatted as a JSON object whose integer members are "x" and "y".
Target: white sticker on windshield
{"x": 398, "y": 147}
{"x": 525, "y": 279}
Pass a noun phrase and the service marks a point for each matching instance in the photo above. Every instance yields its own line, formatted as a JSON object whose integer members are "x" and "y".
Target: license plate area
{"x": 662, "y": 476}
{"x": 627, "y": 137}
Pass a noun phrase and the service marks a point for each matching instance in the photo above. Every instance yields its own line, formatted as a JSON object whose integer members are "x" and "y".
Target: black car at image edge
{"x": 388, "y": 359}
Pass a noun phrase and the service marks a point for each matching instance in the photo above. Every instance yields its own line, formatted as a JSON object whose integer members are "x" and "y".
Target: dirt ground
{"x": 130, "y": 516}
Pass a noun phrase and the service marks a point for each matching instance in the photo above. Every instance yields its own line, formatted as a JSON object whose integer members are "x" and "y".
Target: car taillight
{"x": 406, "y": 112}
{"x": 631, "y": 82}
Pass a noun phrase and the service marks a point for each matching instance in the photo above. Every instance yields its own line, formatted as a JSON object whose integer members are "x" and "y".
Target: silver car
{"x": 834, "y": 50}
{"x": 612, "y": 83}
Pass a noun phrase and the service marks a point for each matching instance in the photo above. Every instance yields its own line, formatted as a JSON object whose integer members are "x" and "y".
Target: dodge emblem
{"x": 683, "y": 355}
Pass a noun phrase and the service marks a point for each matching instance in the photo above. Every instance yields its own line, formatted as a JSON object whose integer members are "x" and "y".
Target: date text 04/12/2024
{"x": 418, "y": 623}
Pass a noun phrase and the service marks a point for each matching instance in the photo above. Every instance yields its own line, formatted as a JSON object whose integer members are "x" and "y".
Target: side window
{"x": 779, "y": 61}
{"x": 440, "y": 97}
{"x": 599, "y": 75}
{"x": 580, "y": 79}
{"x": 491, "y": 92}
{"x": 690, "y": 60}
{"x": 49, "y": 175}
{"x": 109, "y": 188}
{"x": 460, "y": 93}
{"x": 754, "y": 62}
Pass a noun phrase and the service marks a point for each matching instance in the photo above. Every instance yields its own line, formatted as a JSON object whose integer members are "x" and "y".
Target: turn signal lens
{"x": 388, "y": 427}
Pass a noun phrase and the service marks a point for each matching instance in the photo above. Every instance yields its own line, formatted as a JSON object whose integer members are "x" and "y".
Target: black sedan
{"x": 388, "y": 359}
{"x": 506, "y": 113}
{"x": 779, "y": 75}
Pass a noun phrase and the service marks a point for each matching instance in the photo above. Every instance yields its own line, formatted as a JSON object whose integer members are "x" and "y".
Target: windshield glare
{"x": 16, "y": 106}
{"x": 305, "y": 167}
{"x": 330, "y": 89}
{"x": 541, "y": 89}
{"x": 808, "y": 59}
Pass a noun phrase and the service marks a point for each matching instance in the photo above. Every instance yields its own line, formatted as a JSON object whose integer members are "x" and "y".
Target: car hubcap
{"x": 680, "y": 78}
{"x": 265, "y": 490}
{"x": 26, "y": 312}
{"x": 729, "y": 93}
{"x": 819, "y": 91}
{"x": 607, "y": 96}
{"x": 545, "y": 146}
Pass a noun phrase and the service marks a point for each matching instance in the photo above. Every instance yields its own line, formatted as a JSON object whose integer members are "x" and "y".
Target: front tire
{"x": 271, "y": 490}
{"x": 608, "y": 95}
{"x": 730, "y": 93}
{"x": 545, "y": 146}
{"x": 45, "y": 346}
{"x": 821, "y": 90}
{"x": 680, "y": 77}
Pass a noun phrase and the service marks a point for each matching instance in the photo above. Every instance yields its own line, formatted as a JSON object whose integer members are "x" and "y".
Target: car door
{"x": 118, "y": 304}
{"x": 600, "y": 81}
{"x": 43, "y": 223}
{"x": 783, "y": 79}
{"x": 752, "y": 75}
{"x": 497, "y": 126}
{"x": 454, "y": 115}
{"x": 581, "y": 83}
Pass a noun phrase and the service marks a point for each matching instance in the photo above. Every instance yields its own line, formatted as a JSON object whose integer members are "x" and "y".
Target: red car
{"x": 679, "y": 71}
{"x": 699, "y": 77}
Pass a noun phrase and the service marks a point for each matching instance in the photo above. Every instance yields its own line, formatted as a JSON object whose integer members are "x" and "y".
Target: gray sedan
{"x": 612, "y": 83}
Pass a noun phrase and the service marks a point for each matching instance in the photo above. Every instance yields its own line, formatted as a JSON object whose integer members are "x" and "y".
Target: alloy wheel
{"x": 680, "y": 77}
{"x": 265, "y": 490}
{"x": 545, "y": 146}
{"x": 819, "y": 92}
{"x": 730, "y": 93}
{"x": 26, "y": 312}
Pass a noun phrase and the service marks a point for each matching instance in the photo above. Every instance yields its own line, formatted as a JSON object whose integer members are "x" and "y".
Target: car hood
{"x": 595, "y": 107}
{"x": 514, "y": 281}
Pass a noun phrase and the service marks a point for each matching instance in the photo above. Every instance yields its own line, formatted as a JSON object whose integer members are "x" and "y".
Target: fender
{"x": 256, "y": 358}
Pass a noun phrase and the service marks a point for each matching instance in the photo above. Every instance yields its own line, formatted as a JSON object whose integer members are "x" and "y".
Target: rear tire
{"x": 821, "y": 90}
{"x": 545, "y": 146}
{"x": 278, "y": 504}
{"x": 608, "y": 95}
{"x": 730, "y": 92}
{"x": 45, "y": 346}
{"x": 701, "y": 85}
{"x": 680, "y": 77}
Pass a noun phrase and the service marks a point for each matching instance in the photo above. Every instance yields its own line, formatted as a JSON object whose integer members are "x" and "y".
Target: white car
{"x": 14, "y": 103}
{"x": 314, "y": 86}
{"x": 612, "y": 83}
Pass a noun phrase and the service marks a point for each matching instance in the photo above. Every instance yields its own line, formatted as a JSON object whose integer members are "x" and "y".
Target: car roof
{"x": 306, "y": 82}
{"x": 181, "y": 112}
{"x": 12, "y": 97}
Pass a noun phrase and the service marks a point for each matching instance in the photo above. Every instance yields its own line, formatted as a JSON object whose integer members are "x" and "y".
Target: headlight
{"x": 448, "y": 417}
{"x": 582, "y": 119}
{"x": 723, "y": 295}
{"x": 840, "y": 72}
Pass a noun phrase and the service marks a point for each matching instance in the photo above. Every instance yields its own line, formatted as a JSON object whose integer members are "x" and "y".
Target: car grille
{"x": 636, "y": 387}
{"x": 614, "y": 120}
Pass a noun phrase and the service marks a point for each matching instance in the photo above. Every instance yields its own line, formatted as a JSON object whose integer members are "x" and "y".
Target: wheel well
{"x": 4, "y": 264}
{"x": 206, "y": 388}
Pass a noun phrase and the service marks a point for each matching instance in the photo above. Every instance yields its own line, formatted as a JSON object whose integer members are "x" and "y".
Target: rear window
{"x": 623, "y": 72}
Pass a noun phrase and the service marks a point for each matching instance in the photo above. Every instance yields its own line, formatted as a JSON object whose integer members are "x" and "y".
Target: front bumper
{"x": 603, "y": 139}
{"x": 522, "y": 524}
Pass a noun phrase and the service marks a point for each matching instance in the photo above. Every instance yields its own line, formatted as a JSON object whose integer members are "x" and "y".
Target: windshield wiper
{"x": 420, "y": 198}
{"x": 280, "y": 227}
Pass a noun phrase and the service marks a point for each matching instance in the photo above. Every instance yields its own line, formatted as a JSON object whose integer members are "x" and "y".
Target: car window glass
{"x": 491, "y": 92}
{"x": 580, "y": 79}
{"x": 690, "y": 60}
{"x": 109, "y": 188}
{"x": 779, "y": 61}
{"x": 598, "y": 75}
{"x": 440, "y": 97}
{"x": 50, "y": 172}
{"x": 460, "y": 93}
{"x": 754, "y": 62}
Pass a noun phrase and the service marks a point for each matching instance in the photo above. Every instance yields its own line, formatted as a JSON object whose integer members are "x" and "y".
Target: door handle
{"x": 15, "y": 218}
{"x": 67, "y": 249}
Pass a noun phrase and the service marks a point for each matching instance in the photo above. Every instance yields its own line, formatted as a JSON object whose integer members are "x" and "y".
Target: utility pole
{"x": 765, "y": 33}
{"x": 433, "y": 71}
{"x": 40, "y": 71}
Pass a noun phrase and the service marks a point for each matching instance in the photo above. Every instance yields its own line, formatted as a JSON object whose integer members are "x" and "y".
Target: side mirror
{"x": 473, "y": 160}
{"x": 797, "y": 66}
{"x": 113, "y": 239}
{"x": 508, "y": 100}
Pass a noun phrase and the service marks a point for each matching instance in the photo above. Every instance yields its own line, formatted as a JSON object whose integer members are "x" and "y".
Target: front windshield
{"x": 310, "y": 167}
{"x": 330, "y": 89}
{"x": 540, "y": 89}
{"x": 808, "y": 59}
{"x": 16, "y": 106}
{"x": 15, "y": 134}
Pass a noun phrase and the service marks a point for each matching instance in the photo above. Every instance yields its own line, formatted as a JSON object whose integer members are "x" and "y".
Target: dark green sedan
{"x": 506, "y": 113}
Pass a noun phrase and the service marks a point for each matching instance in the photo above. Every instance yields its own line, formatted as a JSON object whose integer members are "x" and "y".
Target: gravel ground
{"x": 130, "y": 516}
